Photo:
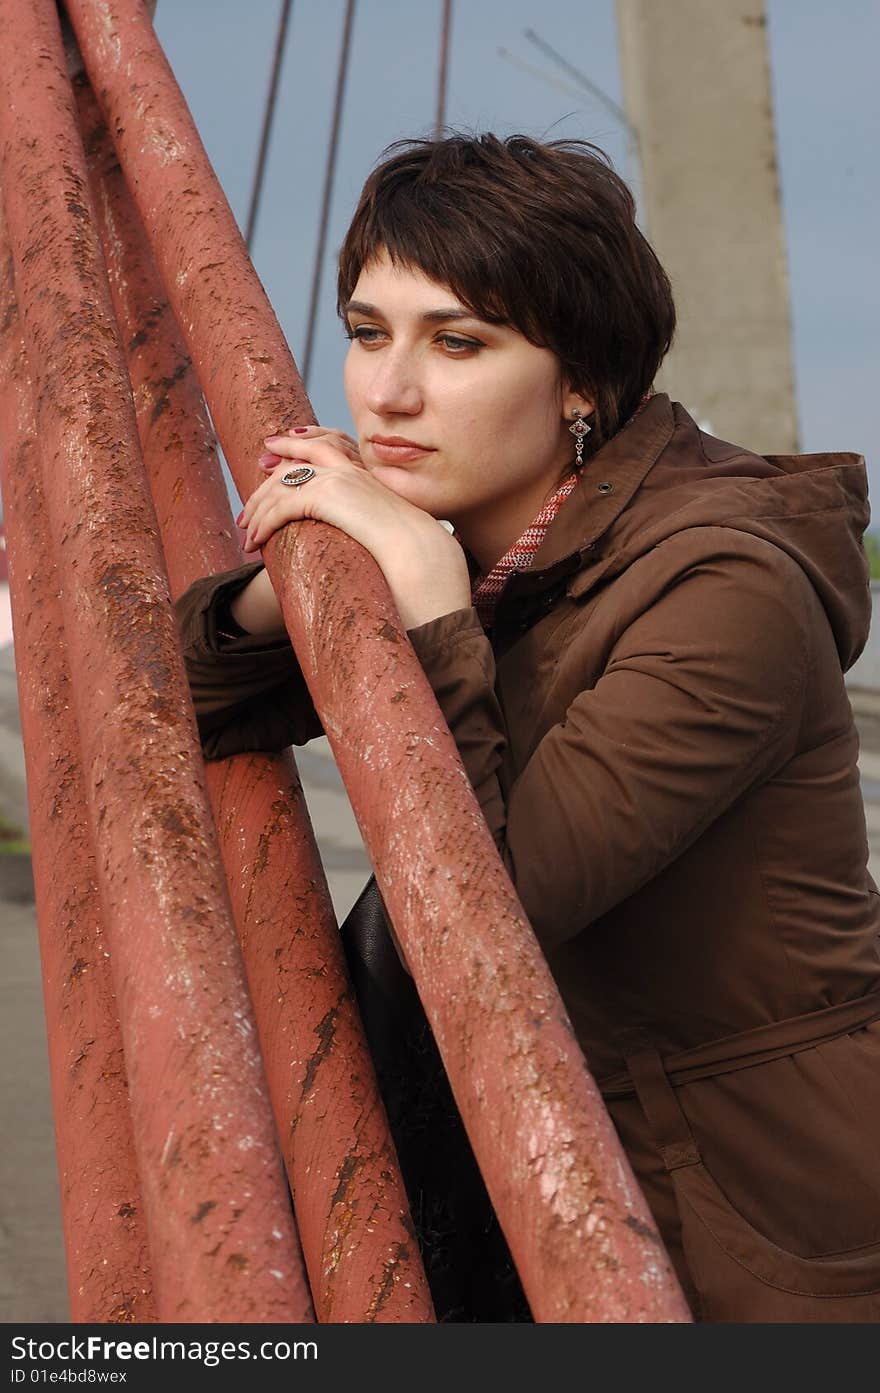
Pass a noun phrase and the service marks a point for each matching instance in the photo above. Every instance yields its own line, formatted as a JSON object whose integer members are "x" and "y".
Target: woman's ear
{"x": 576, "y": 401}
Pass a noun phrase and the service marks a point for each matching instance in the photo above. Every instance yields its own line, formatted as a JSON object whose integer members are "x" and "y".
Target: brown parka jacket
{"x": 662, "y": 745}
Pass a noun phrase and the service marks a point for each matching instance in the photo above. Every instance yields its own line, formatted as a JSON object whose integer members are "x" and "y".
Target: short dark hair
{"x": 539, "y": 236}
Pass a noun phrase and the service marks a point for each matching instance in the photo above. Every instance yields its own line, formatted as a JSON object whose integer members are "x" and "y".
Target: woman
{"x": 637, "y": 634}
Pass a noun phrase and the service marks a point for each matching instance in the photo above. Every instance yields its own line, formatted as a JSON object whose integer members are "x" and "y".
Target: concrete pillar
{"x": 696, "y": 81}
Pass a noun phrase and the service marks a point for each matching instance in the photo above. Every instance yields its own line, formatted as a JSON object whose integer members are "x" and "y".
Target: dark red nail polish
{"x": 300, "y": 430}
{"x": 239, "y": 518}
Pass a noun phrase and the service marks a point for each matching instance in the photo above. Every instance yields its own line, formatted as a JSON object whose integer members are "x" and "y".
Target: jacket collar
{"x": 609, "y": 481}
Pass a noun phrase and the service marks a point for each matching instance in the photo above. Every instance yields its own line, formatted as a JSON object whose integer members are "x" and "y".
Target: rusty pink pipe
{"x": 577, "y": 1224}
{"x": 223, "y": 1244}
{"x": 108, "y": 1264}
{"x": 349, "y": 1198}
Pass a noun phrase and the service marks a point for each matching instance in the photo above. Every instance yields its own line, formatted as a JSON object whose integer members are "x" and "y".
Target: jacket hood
{"x": 662, "y": 474}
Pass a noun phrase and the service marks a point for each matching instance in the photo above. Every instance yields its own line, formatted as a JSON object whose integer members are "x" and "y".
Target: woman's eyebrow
{"x": 433, "y": 315}
{"x": 430, "y": 316}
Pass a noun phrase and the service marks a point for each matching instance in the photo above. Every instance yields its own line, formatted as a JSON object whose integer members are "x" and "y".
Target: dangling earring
{"x": 579, "y": 430}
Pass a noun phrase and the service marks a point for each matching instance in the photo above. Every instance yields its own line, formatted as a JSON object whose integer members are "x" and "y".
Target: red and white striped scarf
{"x": 487, "y": 589}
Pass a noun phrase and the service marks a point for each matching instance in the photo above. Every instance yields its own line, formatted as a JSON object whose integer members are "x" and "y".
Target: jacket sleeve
{"x": 700, "y": 699}
{"x": 249, "y": 693}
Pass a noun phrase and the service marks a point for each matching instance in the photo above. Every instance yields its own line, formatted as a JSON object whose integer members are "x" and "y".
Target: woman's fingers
{"x": 329, "y": 450}
{"x": 343, "y": 493}
{"x": 266, "y": 520}
{"x": 274, "y": 504}
{"x": 267, "y": 516}
{"x": 290, "y": 445}
{"x": 313, "y": 432}
{"x": 297, "y": 435}
{"x": 325, "y": 451}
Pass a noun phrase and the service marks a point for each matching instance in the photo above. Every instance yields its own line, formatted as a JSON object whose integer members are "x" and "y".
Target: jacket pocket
{"x": 741, "y": 1275}
{"x": 730, "y": 1147}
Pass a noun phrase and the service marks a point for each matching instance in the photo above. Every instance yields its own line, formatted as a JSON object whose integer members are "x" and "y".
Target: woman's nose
{"x": 393, "y": 388}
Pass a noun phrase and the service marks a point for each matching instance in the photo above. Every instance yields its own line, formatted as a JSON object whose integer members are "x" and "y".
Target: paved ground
{"x": 32, "y": 1285}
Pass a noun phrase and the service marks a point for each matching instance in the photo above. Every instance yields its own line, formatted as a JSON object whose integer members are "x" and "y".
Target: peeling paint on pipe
{"x": 350, "y": 1202}
{"x": 222, "y": 1240}
{"x": 349, "y": 1197}
{"x": 581, "y": 1234}
{"x": 108, "y": 1264}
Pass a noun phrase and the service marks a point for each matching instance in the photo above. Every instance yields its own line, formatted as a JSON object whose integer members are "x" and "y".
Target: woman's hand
{"x": 423, "y": 564}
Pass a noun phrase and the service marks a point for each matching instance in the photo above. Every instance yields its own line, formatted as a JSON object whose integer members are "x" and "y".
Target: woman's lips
{"x": 396, "y": 450}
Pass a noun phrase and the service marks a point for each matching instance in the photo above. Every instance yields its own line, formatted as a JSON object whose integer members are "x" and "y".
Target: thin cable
{"x": 530, "y": 68}
{"x": 268, "y": 118}
{"x": 610, "y": 105}
{"x": 328, "y": 190}
{"x": 443, "y": 73}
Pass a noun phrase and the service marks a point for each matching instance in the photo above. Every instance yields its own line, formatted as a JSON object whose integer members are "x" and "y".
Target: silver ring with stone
{"x": 295, "y": 478}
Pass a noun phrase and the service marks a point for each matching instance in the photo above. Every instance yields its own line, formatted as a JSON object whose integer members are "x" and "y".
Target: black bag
{"x": 467, "y": 1261}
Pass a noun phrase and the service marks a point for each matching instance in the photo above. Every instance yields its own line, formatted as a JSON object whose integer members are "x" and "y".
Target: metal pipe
{"x": 222, "y": 1238}
{"x": 349, "y": 1197}
{"x": 177, "y": 440}
{"x": 351, "y": 1205}
{"x": 579, "y": 1229}
{"x": 108, "y": 1264}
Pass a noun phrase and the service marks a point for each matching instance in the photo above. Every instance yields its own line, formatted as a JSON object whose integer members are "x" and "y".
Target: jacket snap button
{"x": 605, "y": 488}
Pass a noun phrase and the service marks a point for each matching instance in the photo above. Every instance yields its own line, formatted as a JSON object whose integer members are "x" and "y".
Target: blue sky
{"x": 827, "y": 104}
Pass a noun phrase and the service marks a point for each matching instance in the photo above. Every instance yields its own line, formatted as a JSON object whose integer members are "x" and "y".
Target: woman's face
{"x": 464, "y": 419}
